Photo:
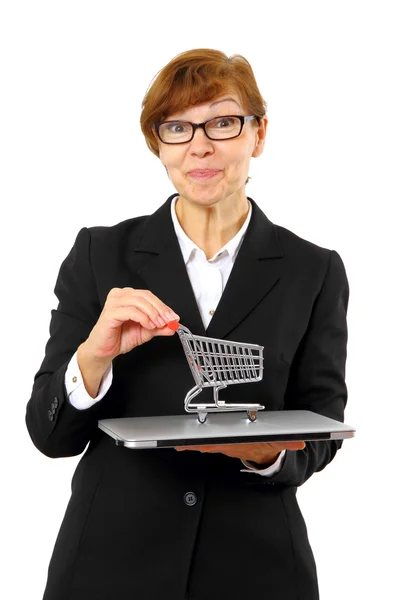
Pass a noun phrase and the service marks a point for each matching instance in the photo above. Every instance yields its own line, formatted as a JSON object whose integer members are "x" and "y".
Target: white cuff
{"x": 75, "y": 388}
{"x": 269, "y": 471}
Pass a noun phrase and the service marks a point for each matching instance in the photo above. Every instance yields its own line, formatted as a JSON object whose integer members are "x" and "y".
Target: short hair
{"x": 196, "y": 76}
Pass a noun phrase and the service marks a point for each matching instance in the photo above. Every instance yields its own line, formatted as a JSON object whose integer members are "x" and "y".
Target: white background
{"x": 73, "y": 75}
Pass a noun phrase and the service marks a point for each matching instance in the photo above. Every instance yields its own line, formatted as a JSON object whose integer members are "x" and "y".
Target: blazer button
{"x": 56, "y": 402}
{"x": 190, "y": 498}
{"x": 50, "y": 415}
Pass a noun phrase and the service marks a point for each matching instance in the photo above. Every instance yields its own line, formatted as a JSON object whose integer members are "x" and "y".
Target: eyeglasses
{"x": 219, "y": 128}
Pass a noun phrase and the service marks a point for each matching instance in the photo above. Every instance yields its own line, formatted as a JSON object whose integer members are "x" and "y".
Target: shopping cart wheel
{"x": 202, "y": 417}
{"x": 252, "y": 414}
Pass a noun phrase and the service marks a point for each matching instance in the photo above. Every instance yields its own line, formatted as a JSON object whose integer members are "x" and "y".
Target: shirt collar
{"x": 188, "y": 246}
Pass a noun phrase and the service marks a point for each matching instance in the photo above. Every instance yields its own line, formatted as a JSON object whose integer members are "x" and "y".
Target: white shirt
{"x": 208, "y": 279}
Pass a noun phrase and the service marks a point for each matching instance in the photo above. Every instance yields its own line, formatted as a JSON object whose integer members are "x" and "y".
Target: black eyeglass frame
{"x": 243, "y": 120}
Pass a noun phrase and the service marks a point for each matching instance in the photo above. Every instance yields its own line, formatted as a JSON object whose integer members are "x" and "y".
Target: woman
{"x": 214, "y": 522}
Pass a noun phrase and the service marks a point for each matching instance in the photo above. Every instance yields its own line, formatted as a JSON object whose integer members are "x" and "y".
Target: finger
{"x": 169, "y": 329}
{"x": 199, "y": 448}
{"x": 149, "y": 302}
{"x": 121, "y": 314}
{"x": 293, "y": 445}
{"x": 139, "y": 304}
{"x": 298, "y": 445}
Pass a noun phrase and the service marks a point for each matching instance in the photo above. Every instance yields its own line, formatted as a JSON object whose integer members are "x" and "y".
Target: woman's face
{"x": 231, "y": 158}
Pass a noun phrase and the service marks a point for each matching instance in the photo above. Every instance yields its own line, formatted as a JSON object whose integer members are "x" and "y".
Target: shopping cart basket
{"x": 219, "y": 363}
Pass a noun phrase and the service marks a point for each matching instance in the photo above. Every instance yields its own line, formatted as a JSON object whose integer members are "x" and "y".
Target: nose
{"x": 200, "y": 143}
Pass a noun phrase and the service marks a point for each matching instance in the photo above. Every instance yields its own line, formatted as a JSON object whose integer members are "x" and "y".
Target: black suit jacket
{"x": 127, "y": 529}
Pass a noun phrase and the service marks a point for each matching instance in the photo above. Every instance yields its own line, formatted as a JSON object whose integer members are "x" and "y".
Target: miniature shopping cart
{"x": 219, "y": 363}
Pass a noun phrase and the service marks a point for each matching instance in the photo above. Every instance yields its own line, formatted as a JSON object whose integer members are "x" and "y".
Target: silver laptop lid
{"x": 226, "y": 428}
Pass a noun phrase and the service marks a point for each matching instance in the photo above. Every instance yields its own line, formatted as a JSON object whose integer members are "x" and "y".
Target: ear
{"x": 260, "y": 137}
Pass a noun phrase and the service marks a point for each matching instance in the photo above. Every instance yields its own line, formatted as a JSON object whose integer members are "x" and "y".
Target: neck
{"x": 211, "y": 227}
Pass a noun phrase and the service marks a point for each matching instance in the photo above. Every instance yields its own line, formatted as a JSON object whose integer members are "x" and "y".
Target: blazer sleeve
{"x": 55, "y": 426}
{"x": 317, "y": 374}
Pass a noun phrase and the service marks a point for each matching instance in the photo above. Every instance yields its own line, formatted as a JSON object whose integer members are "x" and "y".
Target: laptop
{"x": 223, "y": 428}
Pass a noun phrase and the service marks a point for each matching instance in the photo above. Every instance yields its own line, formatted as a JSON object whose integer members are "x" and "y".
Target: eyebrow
{"x": 224, "y": 100}
{"x": 217, "y": 102}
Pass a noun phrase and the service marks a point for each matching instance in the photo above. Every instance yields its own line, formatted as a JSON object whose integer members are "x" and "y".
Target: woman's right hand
{"x": 129, "y": 318}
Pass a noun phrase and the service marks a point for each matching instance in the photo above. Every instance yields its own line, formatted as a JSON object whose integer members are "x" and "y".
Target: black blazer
{"x": 129, "y": 529}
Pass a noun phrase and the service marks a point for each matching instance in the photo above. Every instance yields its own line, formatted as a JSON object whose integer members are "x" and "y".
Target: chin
{"x": 202, "y": 199}
{"x": 205, "y": 192}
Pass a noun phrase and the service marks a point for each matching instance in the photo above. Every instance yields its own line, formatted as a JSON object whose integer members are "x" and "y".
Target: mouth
{"x": 203, "y": 173}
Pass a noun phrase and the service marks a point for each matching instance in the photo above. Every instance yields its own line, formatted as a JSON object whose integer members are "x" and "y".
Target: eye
{"x": 222, "y": 128}
{"x": 177, "y": 127}
{"x": 223, "y": 122}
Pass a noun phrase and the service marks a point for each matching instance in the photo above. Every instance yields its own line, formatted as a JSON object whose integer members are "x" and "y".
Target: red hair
{"x": 197, "y": 76}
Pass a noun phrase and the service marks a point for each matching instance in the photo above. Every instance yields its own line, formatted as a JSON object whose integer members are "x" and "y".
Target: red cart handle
{"x": 174, "y": 325}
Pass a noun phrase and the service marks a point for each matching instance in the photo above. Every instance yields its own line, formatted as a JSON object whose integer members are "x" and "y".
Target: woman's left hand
{"x": 262, "y": 453}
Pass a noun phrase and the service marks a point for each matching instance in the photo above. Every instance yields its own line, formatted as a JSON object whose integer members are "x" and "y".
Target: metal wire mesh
{"x": 214, "y": 361}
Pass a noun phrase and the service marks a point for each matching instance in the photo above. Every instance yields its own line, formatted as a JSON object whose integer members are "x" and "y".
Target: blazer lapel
{"x": 255, "y": 272}
{"x": 158, "y": 260}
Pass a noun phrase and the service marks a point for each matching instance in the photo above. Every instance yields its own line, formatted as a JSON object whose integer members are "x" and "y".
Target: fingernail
{"x": 171, "y": 316}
